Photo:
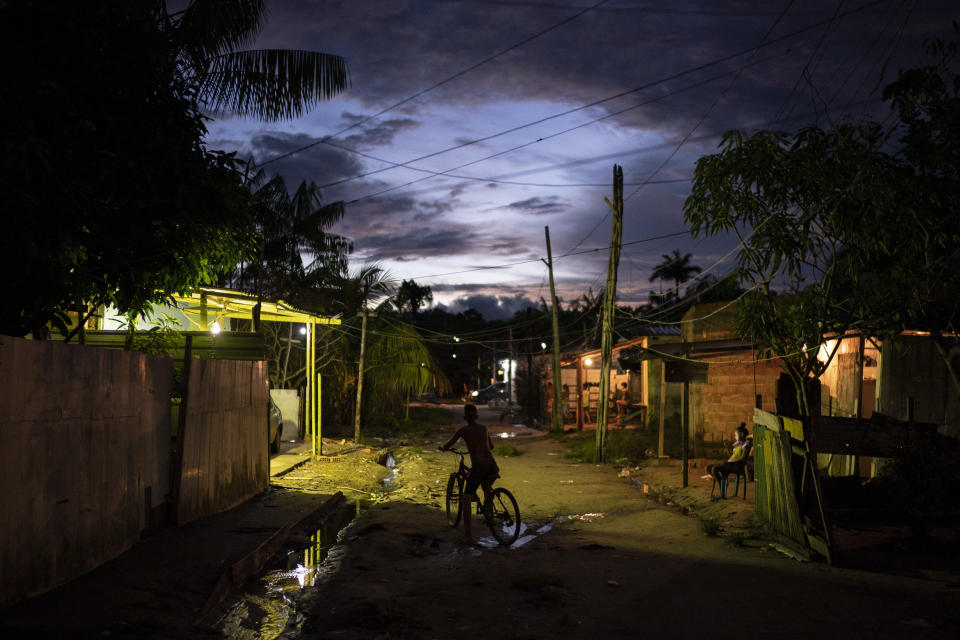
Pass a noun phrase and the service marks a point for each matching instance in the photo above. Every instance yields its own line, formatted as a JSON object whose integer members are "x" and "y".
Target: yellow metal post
{"x": 318, "y": 443}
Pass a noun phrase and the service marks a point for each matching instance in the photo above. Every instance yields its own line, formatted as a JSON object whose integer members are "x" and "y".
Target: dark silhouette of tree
{"x": 411, "y": 296}
{"x": 269, "y": 84}
{"x": 110, "y": 195}
{"x": 676, "y": 269}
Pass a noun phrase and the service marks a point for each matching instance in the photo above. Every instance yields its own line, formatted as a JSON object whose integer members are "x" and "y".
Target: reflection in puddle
{"x": 269, "y": 609}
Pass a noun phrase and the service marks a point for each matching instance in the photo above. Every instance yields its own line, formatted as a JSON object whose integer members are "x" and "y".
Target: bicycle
{"x": 499, "y": 507}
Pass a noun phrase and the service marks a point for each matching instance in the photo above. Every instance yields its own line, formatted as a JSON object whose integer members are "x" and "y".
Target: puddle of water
{"x": 269, "y": 609}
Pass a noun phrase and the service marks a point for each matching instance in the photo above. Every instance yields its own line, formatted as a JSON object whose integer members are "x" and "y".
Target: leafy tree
{"x": 863, "y": 233}
{"x": 110, "y": 195}
{"x": 675, "y": 268}
{"x": 411, "y": 296}
{"x": 116, "y": 199}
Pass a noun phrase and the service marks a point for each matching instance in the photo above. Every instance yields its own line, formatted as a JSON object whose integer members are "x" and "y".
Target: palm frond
{"x": 272, "y": 84}
{"x": 209, "y": 28}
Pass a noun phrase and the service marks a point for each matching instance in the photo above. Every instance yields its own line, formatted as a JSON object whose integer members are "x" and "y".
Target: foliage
{"x": 675, "y": 268}
{"x": 399, "y": 366}
{"x": 289, "y": 227}
{"x": 268, "y": 84}
{"x": 862, "y": 235}
{"x": 423, "y": 423}
{"x": 505, "y": 450}
{"x": 163, "y": 338}
{"x": 113, "y": 198}
{"x": 710, "y": 524}
{"x": 627, "y": 446}
{"x": 411, "y": 296}
{"x": 117, "y": 201}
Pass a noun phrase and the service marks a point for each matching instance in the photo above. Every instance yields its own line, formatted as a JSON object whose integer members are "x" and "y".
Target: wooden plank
{"x": 767, "y": 419}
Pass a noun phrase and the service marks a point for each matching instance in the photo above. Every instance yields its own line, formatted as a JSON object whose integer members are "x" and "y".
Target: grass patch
{"x": 737, "y": 539}
{"x": 505, "y": 450}
{"x": 624, "y": 447}
{"x": 423, "y": 423}
{"x": 709, "y": 525}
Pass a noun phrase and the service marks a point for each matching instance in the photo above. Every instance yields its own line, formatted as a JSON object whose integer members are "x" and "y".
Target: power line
{"x": 519, "y": 262}
{"x": 408, "y": 165}
{"x": 701, "y": 67}
{"x": 552, "y": 27}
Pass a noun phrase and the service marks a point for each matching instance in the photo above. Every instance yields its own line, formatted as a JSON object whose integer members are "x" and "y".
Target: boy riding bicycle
{"x": 483, "y": 468}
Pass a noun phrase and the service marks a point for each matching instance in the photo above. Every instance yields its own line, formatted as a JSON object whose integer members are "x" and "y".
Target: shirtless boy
{"x": 483, "y": 468}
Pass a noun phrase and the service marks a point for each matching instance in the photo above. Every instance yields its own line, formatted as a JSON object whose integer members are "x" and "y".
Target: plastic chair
{"x": 741, "y": 472}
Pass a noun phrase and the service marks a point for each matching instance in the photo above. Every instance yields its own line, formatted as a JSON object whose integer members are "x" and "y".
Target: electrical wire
{"x": 436, "y": 85}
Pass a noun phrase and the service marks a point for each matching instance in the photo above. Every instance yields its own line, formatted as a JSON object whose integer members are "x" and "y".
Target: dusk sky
{"x": 524, "y": 107}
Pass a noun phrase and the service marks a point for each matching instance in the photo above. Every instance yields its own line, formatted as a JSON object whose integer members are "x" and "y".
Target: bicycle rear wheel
{"x": 454, "y": 499}
{"x": 503, "y": 516}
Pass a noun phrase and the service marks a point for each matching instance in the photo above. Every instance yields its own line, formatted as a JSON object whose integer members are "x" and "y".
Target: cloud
{"x": 539, "y": 206}
{"x": 492, "y": 307}
{"x": 321, "y": 164}
{"x": 379, "y": 132}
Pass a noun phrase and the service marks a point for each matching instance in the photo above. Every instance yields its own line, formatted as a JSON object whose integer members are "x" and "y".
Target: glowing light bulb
{"x": 215, "y": 328}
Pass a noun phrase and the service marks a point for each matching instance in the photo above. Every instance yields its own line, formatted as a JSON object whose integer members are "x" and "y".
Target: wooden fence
{"x": 788, "y": 496}
{"x": 225, "y": 457}
{"x": 84, "y": 458}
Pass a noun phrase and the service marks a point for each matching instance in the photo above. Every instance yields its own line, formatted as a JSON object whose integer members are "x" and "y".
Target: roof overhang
{"x": 227, "y": 303}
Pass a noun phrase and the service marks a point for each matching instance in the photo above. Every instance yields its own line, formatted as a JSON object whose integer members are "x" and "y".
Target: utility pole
{"x": 363, "y": 345}
{"x": 557, "y": 409}
{"x": 609, "y": 307}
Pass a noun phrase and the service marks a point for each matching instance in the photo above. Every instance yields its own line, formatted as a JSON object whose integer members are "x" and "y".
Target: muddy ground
{"x": 609, "y": 563}
{"x": 605, "y": 562}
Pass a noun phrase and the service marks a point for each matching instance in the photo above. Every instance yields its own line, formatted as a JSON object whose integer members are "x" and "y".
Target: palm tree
{"x": 675, "y": 268}
{"x": 290, "y": 228}
{"x": 269, "y": 84}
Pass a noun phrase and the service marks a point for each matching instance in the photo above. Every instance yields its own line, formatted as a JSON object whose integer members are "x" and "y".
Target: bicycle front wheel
{"x": 503, "y": 516}
{"x": 454, "y": 499}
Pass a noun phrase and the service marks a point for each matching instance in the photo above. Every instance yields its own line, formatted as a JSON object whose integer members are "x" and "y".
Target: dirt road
{"x": 606, "y": 563}
{"x": 631, "y": 569}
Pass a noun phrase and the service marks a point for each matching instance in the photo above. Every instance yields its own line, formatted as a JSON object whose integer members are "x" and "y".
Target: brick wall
{"x": 729, "y": 395}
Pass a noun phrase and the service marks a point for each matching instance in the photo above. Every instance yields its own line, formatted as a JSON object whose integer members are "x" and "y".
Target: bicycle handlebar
{"x": 459, "y": 452}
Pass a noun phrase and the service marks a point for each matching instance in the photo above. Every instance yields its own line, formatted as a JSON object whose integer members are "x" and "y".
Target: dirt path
{"x": 633, "y": 569}
{"x": 639, "y": 569}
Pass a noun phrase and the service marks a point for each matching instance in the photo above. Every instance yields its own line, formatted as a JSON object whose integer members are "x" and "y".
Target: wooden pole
{"x": 557, "y": 410}
{"x": 685, "y": 440}
{"x": 663, "y": 404}
{"x": 580, "y": 404}
{"x": 363, "y": 345}
{"x": 609, "y": 307}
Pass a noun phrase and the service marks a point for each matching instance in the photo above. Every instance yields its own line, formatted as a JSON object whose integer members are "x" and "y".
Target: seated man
{"x": 736, "y": 462}
{"x": 623, "y": 402}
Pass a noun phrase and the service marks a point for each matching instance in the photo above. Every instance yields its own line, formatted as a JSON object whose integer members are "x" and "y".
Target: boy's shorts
{"x": 480, "y": 473}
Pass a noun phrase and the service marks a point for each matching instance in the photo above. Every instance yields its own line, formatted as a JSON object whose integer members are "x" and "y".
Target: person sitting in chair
{"x": 735, "y": 463}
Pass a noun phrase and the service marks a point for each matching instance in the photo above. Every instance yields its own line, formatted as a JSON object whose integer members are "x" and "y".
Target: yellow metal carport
{"x": 226, "y": 303}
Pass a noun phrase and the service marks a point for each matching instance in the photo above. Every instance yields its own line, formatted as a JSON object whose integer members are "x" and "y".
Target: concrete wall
{"x": 84, "y": 458}
{"x": 225, "y": 450}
